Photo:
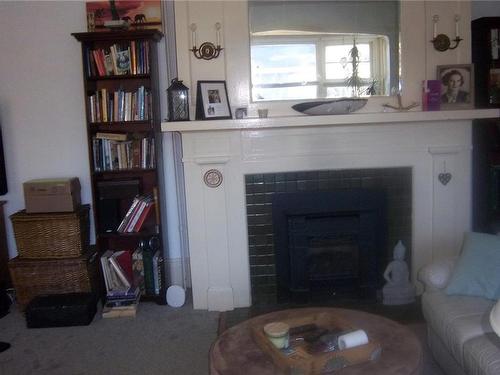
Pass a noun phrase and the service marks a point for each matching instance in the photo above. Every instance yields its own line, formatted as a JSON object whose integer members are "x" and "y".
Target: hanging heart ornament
{"x": 444, "y": 178}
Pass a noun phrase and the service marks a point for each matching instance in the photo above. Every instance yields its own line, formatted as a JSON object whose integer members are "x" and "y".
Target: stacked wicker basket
{"x": 54, "y": 256}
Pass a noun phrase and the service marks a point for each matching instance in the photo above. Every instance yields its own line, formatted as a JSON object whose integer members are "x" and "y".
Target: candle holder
{"x": 442, "y": 42}
{"x": 207, "y": 50}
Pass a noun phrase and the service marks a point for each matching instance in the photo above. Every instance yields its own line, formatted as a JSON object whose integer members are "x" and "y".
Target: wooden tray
{"x": 308, "y": 362}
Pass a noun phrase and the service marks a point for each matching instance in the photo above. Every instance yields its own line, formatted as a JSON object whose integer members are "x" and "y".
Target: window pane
{"x": 337, "y": 53}
{"x": 364, "y": 70}
{"x": 338, "y": 63}
{"x": 337, "y": 70}
{"x": 285, "y": 63}
{"x": 284, "y": 93}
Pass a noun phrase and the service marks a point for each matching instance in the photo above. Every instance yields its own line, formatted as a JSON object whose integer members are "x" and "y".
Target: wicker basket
{"x": 52, "y": 235}
{"x": 32, "y": 277}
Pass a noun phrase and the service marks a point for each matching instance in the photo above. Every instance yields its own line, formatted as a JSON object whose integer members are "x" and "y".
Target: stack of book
{"x": 136, "y": 214}
{"x": 122, "y": 295}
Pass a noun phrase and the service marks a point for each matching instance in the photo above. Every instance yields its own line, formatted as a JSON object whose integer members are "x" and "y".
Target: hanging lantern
{"x": 178, "y": 103}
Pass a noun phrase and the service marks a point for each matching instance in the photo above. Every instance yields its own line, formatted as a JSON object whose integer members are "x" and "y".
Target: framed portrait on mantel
{"x": 457, "y": 86}
{"x": 212, "y": 102}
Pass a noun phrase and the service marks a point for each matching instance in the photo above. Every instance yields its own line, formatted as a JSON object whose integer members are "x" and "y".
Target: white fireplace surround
{"x": 428, "y": 142}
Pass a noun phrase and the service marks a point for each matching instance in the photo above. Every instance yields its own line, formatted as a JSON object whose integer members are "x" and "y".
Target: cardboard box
{"x": 52, "y": 195}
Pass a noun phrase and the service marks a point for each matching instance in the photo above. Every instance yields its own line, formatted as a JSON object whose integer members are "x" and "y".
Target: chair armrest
{"x": 436, "y": 275}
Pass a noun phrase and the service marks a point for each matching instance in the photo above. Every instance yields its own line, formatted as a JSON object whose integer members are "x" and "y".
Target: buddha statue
{"x": 398, "y": 290}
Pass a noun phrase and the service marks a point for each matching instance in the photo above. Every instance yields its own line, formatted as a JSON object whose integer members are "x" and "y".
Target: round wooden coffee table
{"x": 235, "y": 351}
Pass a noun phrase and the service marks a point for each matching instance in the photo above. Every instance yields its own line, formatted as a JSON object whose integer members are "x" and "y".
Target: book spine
{"x": 119, "y": 271}
{"x": 138, "y": 269}
{"x": 148, "y": 271}
{"x": 156, "y": 281}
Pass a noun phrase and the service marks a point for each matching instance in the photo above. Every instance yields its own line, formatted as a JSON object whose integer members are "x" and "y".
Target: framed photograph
{"x": 139, "y": 14}
{"x": 457, "y": 86}
{"x": 212, "y": 102}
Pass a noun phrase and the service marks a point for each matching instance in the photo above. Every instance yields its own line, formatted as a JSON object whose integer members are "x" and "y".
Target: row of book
{"x": 114, "y": 151}
{"x": 118, "y": 59}
{"x": 136, "y": 214}
{"x": 127, "y": 276}
{"x": 120, "y": 105}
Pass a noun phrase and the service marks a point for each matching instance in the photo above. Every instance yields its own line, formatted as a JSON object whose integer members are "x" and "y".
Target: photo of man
{"x": 213, "y": 96}
{"x": 454, "y": 90}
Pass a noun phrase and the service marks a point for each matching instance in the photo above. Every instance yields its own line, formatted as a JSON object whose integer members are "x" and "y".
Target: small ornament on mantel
{"x": 400, "y": 106}
{"x": 398, "y": 290}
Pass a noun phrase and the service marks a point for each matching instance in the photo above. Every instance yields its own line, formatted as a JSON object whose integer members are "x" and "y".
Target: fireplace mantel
{"x": 429, "y": 143}
{"x": 330, "y": 120}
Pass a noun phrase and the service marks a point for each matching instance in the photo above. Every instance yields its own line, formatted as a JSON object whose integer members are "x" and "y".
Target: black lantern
{"x": 178, "y": 103}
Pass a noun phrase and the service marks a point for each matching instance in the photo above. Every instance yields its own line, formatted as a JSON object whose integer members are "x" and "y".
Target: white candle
{"x": 193, "y": 34}
{"x": 435, "y": 19}
{"x": 457, "y": 18}
{"x": 217, "y": 33}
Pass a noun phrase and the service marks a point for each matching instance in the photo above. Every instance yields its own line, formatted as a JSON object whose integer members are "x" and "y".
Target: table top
{"x": 235, "y": 351}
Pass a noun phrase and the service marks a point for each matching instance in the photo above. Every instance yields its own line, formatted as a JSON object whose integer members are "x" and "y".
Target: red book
{"x": 99, "y": 64}
{"x": 144, "y": 215}
{"x": 124, "y": 259}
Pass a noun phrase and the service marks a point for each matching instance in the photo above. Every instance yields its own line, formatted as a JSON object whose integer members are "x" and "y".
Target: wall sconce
{"x": 207, "y": 50}
{"x": 442, "y": 42}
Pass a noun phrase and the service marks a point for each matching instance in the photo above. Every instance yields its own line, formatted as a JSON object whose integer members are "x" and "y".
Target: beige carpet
{"x": 160, "y": 340}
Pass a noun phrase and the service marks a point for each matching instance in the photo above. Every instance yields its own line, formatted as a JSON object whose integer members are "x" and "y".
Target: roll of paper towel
{"x": 352, "y": 339}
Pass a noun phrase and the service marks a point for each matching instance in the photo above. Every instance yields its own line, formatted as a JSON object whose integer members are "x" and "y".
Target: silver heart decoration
{"x": 444, "y": 178}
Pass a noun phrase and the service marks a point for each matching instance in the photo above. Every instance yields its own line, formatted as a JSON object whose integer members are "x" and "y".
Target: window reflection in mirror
{"x": 304, "y": 49}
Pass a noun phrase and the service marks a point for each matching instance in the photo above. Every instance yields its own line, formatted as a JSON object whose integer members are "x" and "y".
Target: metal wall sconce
{"x": 207, "y": 50}
{"x": 442, "y": 42}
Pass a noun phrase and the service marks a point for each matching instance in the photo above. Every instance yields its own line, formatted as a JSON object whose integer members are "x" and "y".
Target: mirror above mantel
{"x": 304, "y": 49}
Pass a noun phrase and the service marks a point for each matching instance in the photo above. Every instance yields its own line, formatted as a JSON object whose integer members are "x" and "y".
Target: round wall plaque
{"x": 212, "y": 178}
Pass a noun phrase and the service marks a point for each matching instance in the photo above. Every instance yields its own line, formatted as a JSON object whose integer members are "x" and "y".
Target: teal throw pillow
{"x": 477, "y": 272}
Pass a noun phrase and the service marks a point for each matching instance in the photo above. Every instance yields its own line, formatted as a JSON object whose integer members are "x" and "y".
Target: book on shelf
{"x": 431, "y": 95}
{"x": 118, "y": 59}
{"x": 117, "y": 276}
{"x": 157, "y": 265}
{"x": 138, "y": 269}
{"x": 147, "y": 257}
{"x": 112, "y": 136}
{"x": 136, "y": 215}
{"x": 120, "y": 105}
{"x": 111, "y": 154}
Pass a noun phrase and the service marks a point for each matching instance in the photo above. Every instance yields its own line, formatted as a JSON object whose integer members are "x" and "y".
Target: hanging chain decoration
{"x": 444, "y": 177}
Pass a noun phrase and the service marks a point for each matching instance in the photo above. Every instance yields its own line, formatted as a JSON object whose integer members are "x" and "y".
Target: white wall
{"x": 418, "y": 57}
{"x": 41, "y": 97}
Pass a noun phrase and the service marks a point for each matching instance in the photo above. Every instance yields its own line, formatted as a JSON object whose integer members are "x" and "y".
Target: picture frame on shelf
{"x": 212, "y": 101}
{"x": 457, "y": 86}
{"x": 122, "y": 14}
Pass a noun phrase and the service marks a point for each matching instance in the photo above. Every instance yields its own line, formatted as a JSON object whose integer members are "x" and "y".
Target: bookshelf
{"x": 120, "y": 75}
{"x": 485, "y": 33}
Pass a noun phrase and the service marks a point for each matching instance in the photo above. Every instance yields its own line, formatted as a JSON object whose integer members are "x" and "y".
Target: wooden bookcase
{"x": 485, "y": 33}
{"x": 121, "y": 169}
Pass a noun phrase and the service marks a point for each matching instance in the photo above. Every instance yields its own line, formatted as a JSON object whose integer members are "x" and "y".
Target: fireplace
{"x": 329, "y": 241}
{"x": 230, "y": 246}
{"x": 325, "y": 233}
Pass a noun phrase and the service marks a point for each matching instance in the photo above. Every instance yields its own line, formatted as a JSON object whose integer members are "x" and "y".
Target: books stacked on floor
{"x": 122, "y": 295}
{"x": 136, "y": 214}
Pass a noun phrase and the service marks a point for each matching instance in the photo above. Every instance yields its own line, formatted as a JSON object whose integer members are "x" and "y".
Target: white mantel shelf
{"x": 329, "y": 120}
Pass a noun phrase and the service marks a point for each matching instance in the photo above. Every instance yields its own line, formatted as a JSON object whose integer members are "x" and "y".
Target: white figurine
{"x": 398, "y": 290}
